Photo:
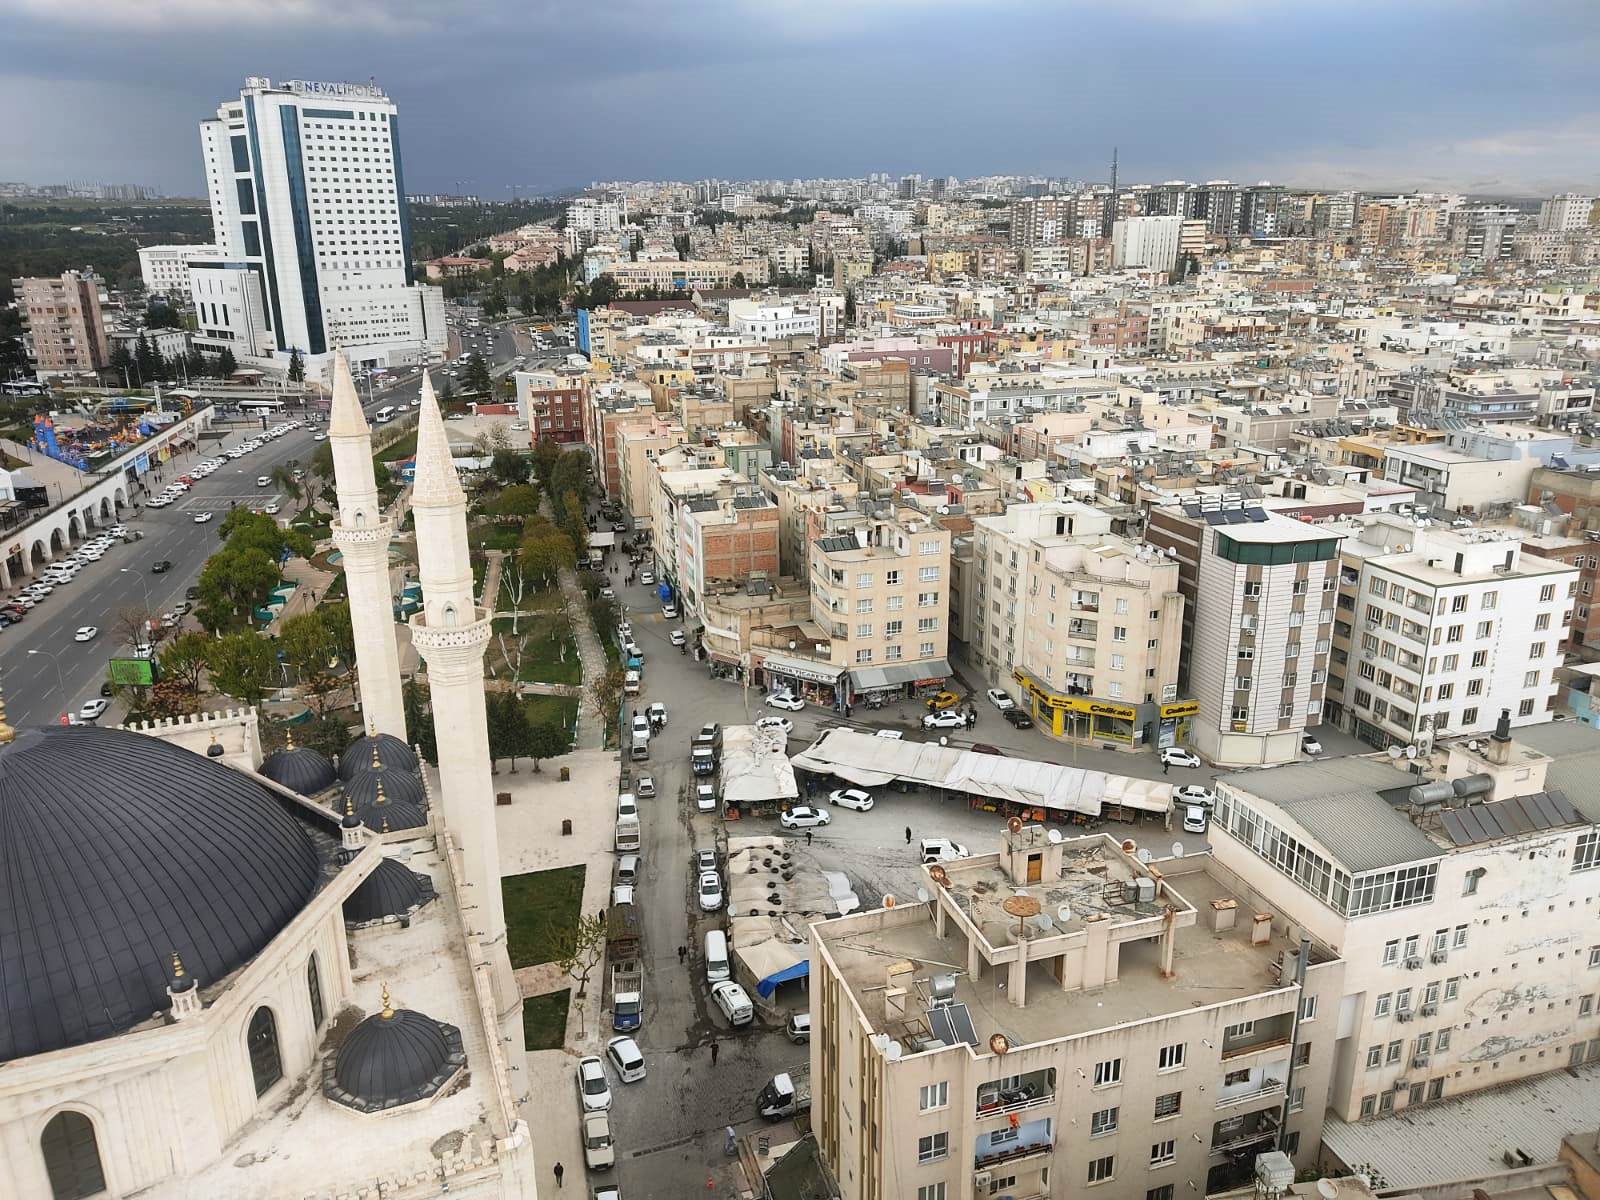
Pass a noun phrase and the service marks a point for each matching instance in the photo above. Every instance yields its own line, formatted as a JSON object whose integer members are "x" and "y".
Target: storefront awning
{"x": 897, "y": 674}
{"x": 802, "y": 668}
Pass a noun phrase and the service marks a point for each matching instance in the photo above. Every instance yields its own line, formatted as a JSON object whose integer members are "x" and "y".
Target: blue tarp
{"x": 770, "y": 984}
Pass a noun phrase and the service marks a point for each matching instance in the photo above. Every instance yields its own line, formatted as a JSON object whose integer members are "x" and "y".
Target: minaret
{"x": 451, "y": 633}
{"x": 362, "y": 535}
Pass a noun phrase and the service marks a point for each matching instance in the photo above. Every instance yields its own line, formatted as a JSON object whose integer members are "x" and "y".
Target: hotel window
{"x": 1162, "y": 1153}
{"x": 1374, "y": 1057}
{"x": 1103, "y": 1122}
{"x": 1381, "y": 1008}
{"x": 1108, "y": 1072}
{"x": 1369, "y": 1106}
{"x": 925, "y": 649}
{"x": 928, "y": 574}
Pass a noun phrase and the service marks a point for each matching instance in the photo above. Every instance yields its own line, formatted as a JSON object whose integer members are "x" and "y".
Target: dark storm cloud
{"x": 1426, "y": 93}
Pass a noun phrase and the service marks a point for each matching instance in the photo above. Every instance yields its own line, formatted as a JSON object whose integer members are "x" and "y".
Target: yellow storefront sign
{"x": 1079, "y": 704}
{"x": 1180, "y": 708}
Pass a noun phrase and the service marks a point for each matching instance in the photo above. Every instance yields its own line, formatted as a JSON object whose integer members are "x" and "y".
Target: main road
{"x": 45, "y": 673}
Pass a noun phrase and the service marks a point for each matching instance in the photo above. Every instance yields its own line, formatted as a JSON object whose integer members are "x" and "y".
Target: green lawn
{"x": 403, "y": 448}
{"x": 543, "y": 661}
{"x": 560, "y": 709}
{"x": 536, "y": 903}
{"x": 544, "y": 1020}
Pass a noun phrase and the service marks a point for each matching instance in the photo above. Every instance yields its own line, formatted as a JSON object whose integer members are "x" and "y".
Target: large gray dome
{"x": 392, "y": 890}
{"x": 118, "y": 850}
{"x": 300, "y": 769}
{"x": 398, "y": 785}
{"x": 393, "y": 1057}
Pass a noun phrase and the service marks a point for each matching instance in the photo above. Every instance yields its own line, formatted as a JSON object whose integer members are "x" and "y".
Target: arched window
{"x": 314, "y": 986}
{"x": 72, "y": 1157}
{"x": 265, "y": 1063}
{"x": 450, "y": 618}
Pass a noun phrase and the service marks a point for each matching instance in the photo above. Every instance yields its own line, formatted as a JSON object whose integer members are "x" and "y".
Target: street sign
{"x": 132, "y": 672}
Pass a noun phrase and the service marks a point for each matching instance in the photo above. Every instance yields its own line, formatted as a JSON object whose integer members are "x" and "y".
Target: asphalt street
{"x": 46, "y": 673}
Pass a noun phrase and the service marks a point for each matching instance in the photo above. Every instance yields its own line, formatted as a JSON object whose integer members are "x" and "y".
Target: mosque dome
{"x": 120, "y": 851}
{"x": 300, "y": 769}
{"x": 394, "y": 754}
{"x": 383, "y": 813}
{"x": 399, "y": 787}
{"x": 392, "y": 890}
{"x": 394, "y": 1057}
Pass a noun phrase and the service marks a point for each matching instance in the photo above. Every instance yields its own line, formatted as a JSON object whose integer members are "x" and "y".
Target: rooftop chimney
{"x": 1500, "y": 741}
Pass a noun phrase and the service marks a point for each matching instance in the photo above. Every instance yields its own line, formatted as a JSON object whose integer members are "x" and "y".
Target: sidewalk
{"x": 591, "y": 725}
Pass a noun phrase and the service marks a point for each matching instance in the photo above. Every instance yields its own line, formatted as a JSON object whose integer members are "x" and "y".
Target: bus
{"x": 273, "y": 405}
{"x": 384, "y": 415}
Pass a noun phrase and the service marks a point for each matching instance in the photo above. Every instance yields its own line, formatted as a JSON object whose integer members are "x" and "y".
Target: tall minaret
{"x": 362, "y": 535}
{"x": 451, "y": 633}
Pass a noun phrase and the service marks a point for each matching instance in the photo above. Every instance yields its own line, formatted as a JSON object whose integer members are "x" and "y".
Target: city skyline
{"x": 1456, "y": 96}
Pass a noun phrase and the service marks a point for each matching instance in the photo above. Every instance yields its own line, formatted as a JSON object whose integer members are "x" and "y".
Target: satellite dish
{"x": 1177, "y": 849}
{"x": 922, "y": 895}
{"x": 888, "y": 901}
{"x": 1053, "y": 837}
{"x": 1394, "y": 751}
{"x": 999, "y": 1043}
{"x": 1129, "y": 845}
{"x": 1327, "y": 1189}
{"x": 1411, "y": 751}
{"x": 1064, "y": 913}
{"x": 1473, "y": 745}
{"x": 1144, "y": 854}
{"x": 1014, "y": 824}
{"x": 893, "y": 1051}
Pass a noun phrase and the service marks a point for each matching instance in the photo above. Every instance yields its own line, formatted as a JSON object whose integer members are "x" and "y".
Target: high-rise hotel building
{"x": 313, "y": 238}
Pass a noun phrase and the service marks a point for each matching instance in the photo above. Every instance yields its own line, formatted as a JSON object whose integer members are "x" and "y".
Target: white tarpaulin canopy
{"x": 869, "y": 761}
{"x": 756, "y": 767}
{"x": 770, "y": 903}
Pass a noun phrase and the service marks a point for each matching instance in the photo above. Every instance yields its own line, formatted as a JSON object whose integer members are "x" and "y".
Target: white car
{"x": 949, "y": 719}
{"x": 940, "y": 850}
{"x": 1309, "y": 743}
{"x": 803, "y": 817}
{"x": 647, "y": 578}
{"x": 851, "y": 798}
{"x": 622, "y": 893}
{"x": 594, "y": 1093}
{"x": 786, "y": 701}
{"x": 999, "y": 699}
{"x": 675, "y": 637}
{"x": 270, "y": 510}
{"x": 1193, "y": 793}
{"x": 626, "y": 1059}
{"x": 263, "y": 480}
{"x": 705, "y": 797}
{"x": 1195, "y": 818}
{"x": 86, "y": 633}
{"x": 319, "y": 436}
{"x": 734, "y": 1002}
{"x": 599, "y": 1149}
{"x": 710, "y": 891}
{"x": 776, "y": 725}
{"x": 1177, "y": 756}
{"x": 92, "y": 709}
{"x": 200, "y": 518}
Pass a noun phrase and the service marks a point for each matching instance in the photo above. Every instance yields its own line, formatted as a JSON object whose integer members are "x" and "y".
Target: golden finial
{"x": 377, "y": 763}
{"x": 372, "y": 727}
{"x": 388, "y": 1012}
{"x": 288, "y": 735}
{"x": 381, "y": 798}
{"x": 349, "y": 805}
{"x": 177, "y": 966}
{"x": 7, "y": 733}
{"x": 385, "y": 828}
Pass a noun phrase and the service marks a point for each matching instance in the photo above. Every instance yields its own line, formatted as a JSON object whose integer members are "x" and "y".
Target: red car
{"x": 189, "y": 479}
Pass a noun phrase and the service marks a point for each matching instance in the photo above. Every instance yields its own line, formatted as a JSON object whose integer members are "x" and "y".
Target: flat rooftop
{"x": 1208, "y": 968}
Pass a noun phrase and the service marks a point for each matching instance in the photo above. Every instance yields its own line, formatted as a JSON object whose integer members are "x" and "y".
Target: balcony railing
{"x": 1255, "y": 1047}
{"x": 998, "y": 1109}
{"x": 1272, "y": 1088}
{"x": 1235, "y": 1140}
{"x": 996, "y": 1158}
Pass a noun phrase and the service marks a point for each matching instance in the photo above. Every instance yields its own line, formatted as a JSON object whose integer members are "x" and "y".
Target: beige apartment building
{"x": 879, "y": 592}
{"x": 608, "y": 406}
{"x": 803, "y": 493}
{"x": 1084, "y": 628}
{"x": 64, "y": 323}
{"x": 1064, "y": 1019}
{"x": 724, "y": 542}
{"x": 673, "y": 275}
{"x": 1463, "y": 908}
{"x": 637, "y": 444}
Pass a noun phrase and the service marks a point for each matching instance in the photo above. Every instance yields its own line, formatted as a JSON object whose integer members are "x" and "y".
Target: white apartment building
{"x": 762, "y": 322}
{"x": 1146, "y": 242}
{"x": 1084, "y": 628}
{"x": 1262, "y": 591}
{"x": 313, "y": 243}
{"x": 1142, "y": 1037}
{"x": 589, "y": 219}
{"x": 1438, "y": 630}
{"x": 165, "y": 269}
{"x": 1565, "y": 213}
{"x": 1463, "y": 909}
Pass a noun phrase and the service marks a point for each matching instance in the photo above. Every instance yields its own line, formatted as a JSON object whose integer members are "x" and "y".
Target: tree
{"x": 447, "y": 391}
{"x": 605, "y": 692}
{"x": 517, "y": 502}
{"x": 738, "y": 280}
{"x": 243, "y": 665}
{"x": 233, "y": 579}
{"x": 508, "y": 466}
{"x": 546, "y": 740}
{"x": 419, "y": 719}
{"x": 310, "y": 648}
{"x": 144, "y": 359}
{"x": 508, "y": 727}
{"x": 546, "y": 454}
{"x": 579, "y": 945}
{"x": 545, "y": 551}
{"x": 183, "y": 661}
{"x": 297, "y": 367}
{"x": 226, "y": 364}
{"x": 121, "y": 363}
{"x": 477, "y": 378}
{"x": 133, "y": 626}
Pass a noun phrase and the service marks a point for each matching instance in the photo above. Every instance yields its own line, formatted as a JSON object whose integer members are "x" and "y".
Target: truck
{"x": 787, "y": 1094}
{"x": 627, "y": 836}
{"x": 625, "y": 980}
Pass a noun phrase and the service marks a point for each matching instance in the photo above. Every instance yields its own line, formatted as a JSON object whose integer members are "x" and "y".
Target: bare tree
{"x": 134, "y": 627}
{"x": 579, "y": 946}
{"x": 514, "y": 583}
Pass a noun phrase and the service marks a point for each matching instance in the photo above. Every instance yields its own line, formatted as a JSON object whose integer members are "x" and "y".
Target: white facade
{"x": 1565, "y": 213}
{"x": 307, "y": 193}
{"x": 165, "y": 269}
{"x": 1146, "y": 242}
{"x": 765, "y": 323}
{"x": 589, "y": 219}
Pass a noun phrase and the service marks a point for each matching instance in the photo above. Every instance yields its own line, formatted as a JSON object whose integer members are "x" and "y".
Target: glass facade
{"x": 310, "y": 293}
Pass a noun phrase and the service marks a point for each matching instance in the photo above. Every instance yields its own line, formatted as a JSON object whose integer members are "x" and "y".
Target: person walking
{"x": 713, "y": 1054}
{"x": 682, "y": 952}
{"x": 908, "y": 835}
{"x": 559, "y": 1172}
{"x": 1165, "y": 766}
{"x": 808, "y": 837}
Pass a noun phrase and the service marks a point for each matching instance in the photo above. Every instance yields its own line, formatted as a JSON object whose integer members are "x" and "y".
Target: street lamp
{"x": 142, "y": 584}
{"x": 59, "y": 679}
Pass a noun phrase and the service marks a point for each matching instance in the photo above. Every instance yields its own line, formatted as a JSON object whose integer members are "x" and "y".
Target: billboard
{"x": 132, "y": 672}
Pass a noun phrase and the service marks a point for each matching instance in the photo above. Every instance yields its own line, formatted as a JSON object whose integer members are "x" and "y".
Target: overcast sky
{"x": 1483, "y": 96}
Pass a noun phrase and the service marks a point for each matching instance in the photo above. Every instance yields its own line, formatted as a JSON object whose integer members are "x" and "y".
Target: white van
{"x": 716, "y": 956}
{"x": 384, "y": 415}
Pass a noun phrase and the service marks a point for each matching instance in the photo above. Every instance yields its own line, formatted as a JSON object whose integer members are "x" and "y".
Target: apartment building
{"x": 724, "y": 543}
{"x": 673, "y": 275}
{"x": 551, "y": 403}
{"x": 1463, "y": 908}
{"x": 1062, "y": 1019}
{"x": 637, "y": 444}
{"x": 1083, "y": 627}
{"x": 1438, "y": 630}
{"x": 764, "y": 322}
{"x": 165, "y": 269}
{"x": 677, "y": 476}
{"x": 1261, "y": 590}
{"x": 609, "y": 405}
{"x": 1146, "y": 242}
{"x": 802, "y": 494}
{"x": 880, "y": 594}
{"x": 64, "y": 323}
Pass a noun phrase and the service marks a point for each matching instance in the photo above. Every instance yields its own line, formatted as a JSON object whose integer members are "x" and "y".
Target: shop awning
{"x": 897, "y": 674}
{"x": 802, "y": 668}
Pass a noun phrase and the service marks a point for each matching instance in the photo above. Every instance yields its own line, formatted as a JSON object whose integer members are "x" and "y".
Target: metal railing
{"x": 1000, "y": 1110}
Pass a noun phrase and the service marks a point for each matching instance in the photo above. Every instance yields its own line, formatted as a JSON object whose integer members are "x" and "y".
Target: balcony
{"x": 1235, "y": 1133}
{"x": 1240, "y": 1050}
{"x": 1083, "y": 629}
{"x": 1002, "y": 1097}
{"x": 1270, "y": 1089}
{"x": 1014, "y": 1155}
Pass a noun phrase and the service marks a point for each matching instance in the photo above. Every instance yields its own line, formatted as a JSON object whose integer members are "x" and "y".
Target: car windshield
{"x": 593, "y": 1084}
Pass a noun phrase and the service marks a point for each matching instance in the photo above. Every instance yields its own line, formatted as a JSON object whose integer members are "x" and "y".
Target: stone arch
{"x": 264, "y": 1050}
{"x": 73, "y": 531}
{"x": 39, "y": 555}
{"x": 121, "y": 496}
{"x": 70, "y": 1146}
{"x": 58, "y": 541}
{"x": 106, "y": 510}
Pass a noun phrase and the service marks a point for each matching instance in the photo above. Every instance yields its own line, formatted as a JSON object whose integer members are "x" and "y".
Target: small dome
{"x": 390, "y": 750}
{"x": 392, "y": 890}
{"x": 399, "y": 786}
{"x": 392, "y": 1058}
{"x": 381, "y": 812}
{"x": 300, "y": 769}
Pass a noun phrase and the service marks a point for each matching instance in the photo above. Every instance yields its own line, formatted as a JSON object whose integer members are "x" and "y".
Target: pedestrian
{"x": 683, "y": 952}
{"x": 808, "y": 837}
{"x": 713, "y": 1054}
{"x": 1165, "y": 766}
{"x": 559, "y": 1172}
{"x": 908, "y": 835}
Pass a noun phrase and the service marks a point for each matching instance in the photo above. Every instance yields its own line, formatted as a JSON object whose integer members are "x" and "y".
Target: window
{"x": 1594, "y": 956}
{"x": 1441, "y": 1042}
{"x": 1162, "y": 1153}
{"x": 1169, "y": 1105}
{"x": 863, "y": 630}
{"x": 933, "y": 1095}
{"x": 1297, "y": 1099}
{"x": 892, "y": 578}
{"x": 864, "y": 579}
{"x": 864, "y": 656}
{"x": 1393, "y": 1053}
{"x": 1308, "y": 1008}
{"x": 1369, "y": 1106}
{"x": 1241, "y": 1030}
{"x": 924, "y": 649}
{"x": 931, "y": 1191}
{"x": 1469, "y": 883}
{"x": 928, "y": 574}
{"x": 1547, "y": 593}
{"x": 891, "y": 629}
{"x": 933, "y": 1147}
{"x": 1108, "y": 1072}
{"x": 927, "y": 624}
{"x": 863, "y": 607}
{"x": 262, "y": 1040}
{"x": 1302, "y": 1054}
{"x": 1374, "y": 1057}
{"x": 72, "y": 1156}
{"x": 1460, "y": 939}
{"x": 1234, "y": 1077}
{"x": 1586, "y": 854}
{"x": 314, "y": 987}
{"x": 927, "y": 599}
{"x": 928, "y": 548}
{"x": 1170, "y": 1057}
{"x": 1164, "y": 1192}
{"x": 1452, "y": 988}
{"x": 1102, "y": 1169}
{"x": 1103, "y": 1122}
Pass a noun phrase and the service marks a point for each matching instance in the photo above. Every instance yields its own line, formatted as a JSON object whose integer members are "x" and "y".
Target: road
{"x": 46, "y": 673}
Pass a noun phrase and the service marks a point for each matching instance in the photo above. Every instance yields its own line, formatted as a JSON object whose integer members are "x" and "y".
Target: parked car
{"x": 1195, "y": 818}
{"x": 710, "y": 891}
{"x": 645, "y": 787}
{"x": 776, "y": 725}
{"x": 940, "y": 701}
{"x": 798, "y": 1029}
{"x": 705, "y": 860}
{"x": 622, "y": 893}
{"x": 161, "y": 566}
{"x": 1179, "y": 756}
{"x": 803, "y": 817}
{"x": 938, "y": 850}
{"x": 892, "y": 735}
{"x": 676, "y": 637}
{"x": 1018, "y": 718}
{"x": 1309, "y": 743}
{"x": 705, "y": 797}
{"x": 599, "y": 1150}
{"x": 1000, "y": 700}
{"x": 669, "y": 611}
{"x": 626, "y": 1059}
{"x": 594, "y": 1093}
{"x": 92, "y": 709}
{"x": 1193, "y": 793}
{"x": 948, "y": 719}
{"x": 787, "y": 701}
{"x": 734, "y": 1002}
{"x": 647, "y": 578}
{"x": 86, "y": 633}
{"x": 851, "y": 798}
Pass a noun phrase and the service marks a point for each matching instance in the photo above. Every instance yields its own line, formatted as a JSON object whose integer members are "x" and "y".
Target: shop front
{"x": 897, "y": 681}
{"x": 1079, "y": 718}
{"x": 815, "y": 682}
{"x": 1174, "y": 721}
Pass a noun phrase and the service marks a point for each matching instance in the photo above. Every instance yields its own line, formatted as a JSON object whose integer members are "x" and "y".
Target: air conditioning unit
{"x": 1419, "y": 1060}
{"x": 1439, "y": 956}
{"x": 1414, "y": 963}
{"x": 980, "y": 1179}
{"x": 1401, "y": 1085}
{"x": 1429, "y": 1009}
{"x": 1403, "y": 1015}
